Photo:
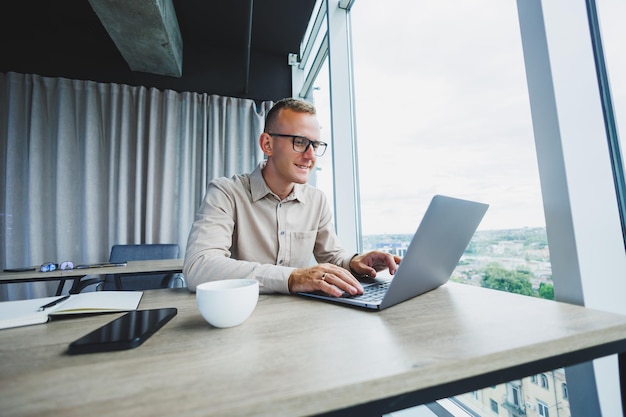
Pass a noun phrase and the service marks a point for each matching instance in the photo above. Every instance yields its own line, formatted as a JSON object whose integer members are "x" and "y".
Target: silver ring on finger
{"x": 324, "y": 276}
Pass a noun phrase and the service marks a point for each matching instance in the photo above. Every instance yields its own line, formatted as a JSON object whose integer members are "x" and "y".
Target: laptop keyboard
{"x": 372, "y": 292}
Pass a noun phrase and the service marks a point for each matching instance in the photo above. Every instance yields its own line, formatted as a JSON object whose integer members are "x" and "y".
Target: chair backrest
{"x": 123, "y": 253}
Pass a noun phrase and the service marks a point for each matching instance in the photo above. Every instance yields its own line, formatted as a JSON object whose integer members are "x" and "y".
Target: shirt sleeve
{"x": 208, "y": 254}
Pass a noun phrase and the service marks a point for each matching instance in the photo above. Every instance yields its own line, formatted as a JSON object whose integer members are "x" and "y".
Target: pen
{"x": 101, "y": 265}
{"x": 55, "y": 302}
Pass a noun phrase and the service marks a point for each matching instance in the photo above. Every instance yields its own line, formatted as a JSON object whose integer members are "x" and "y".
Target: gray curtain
{"x": 86, "y": 165}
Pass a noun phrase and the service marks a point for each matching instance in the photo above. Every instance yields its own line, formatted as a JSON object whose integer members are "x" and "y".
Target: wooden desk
{"x": 165, "y": 266}
{"x": 297, "y": 356}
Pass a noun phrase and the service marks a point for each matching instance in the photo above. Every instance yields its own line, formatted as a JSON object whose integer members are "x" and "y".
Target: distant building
{"x": 395, "y": 248}
{"x": 504, "y": 247}
{"x": 542, "y": 395}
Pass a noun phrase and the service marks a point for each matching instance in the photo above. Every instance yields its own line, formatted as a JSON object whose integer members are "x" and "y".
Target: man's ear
{"x": 265, "y": 141}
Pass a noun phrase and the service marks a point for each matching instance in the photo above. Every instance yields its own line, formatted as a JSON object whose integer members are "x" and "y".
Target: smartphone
{"x": 20, "y": 269}
{"x": 125, "y": 332}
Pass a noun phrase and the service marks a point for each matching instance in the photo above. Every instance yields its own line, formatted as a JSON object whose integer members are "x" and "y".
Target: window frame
{"x": 579, "y": 197}
{"x": 334, "y": 44}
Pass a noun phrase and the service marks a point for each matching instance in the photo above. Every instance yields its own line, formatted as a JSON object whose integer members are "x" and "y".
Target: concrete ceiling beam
{"x": 145, "y": 32}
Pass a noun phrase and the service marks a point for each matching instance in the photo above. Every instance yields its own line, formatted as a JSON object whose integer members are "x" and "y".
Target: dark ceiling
{"x": 65, "y": 38}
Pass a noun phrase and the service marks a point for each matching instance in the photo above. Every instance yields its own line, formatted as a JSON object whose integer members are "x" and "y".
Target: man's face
{"x": 292, "y": 166}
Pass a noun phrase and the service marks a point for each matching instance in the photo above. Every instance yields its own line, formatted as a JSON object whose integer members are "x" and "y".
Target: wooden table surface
{"x": 132, "y": 267}
{"x": 297, "y": 356}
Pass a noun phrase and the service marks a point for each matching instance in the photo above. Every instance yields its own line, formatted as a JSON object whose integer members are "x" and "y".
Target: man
{"x": 267, "y": 224}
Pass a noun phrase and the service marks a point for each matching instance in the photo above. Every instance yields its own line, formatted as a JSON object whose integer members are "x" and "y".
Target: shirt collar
{"x": 259, "y": 188}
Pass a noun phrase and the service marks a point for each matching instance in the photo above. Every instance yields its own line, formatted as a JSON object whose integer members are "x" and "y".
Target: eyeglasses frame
{"x": 311, "y": 143}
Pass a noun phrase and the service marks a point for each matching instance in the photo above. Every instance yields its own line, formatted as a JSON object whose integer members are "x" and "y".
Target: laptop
{"x": 433, "y": 254}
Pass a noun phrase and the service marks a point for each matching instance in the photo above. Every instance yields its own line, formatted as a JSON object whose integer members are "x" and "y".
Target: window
{"x": 437, "y": 126}
{"x": 514, "y": 395}
{"x": 533, "y": 379}
{"x": 542, "y": 409}
{"x": 494, "y": 405}
{"x": 429, "y": 125}
{"x": 544, "y": 381}
{"x": 442, "y": 113}
{"x": 564, "y": 392}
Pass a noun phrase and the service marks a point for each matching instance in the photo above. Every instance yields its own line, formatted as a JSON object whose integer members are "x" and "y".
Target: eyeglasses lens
{"x": 302, "y": 144}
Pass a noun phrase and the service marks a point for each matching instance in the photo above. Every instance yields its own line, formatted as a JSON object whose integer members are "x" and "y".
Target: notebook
{"x": 27, "y": 312}
{"x": 433, "y": 254}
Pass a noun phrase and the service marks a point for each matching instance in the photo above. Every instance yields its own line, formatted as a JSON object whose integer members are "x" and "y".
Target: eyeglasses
{"x": 301, "y": 144}
{"x": 48, "y": 267}
{"x": 51, "y": 266}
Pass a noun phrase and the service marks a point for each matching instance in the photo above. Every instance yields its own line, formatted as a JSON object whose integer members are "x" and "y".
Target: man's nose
{"x": 309, "y": 152}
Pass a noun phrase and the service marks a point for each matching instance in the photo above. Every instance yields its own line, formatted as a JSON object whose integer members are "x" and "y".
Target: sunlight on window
{"x": 442, "y": 107}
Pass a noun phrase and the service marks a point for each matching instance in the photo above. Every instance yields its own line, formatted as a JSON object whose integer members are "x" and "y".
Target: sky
{"x": 442, "y": 107}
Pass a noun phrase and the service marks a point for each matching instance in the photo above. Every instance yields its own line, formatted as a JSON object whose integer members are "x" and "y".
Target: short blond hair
{"x": 299, "y": 106}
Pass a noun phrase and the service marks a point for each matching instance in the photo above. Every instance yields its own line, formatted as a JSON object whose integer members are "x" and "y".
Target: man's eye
{"x": 300, "y": 141}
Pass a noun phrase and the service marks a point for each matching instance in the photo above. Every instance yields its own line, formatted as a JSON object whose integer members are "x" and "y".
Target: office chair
{"x": 123, "y": 253}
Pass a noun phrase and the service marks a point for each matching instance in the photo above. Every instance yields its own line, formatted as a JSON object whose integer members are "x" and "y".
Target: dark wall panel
{"x": 66, "y": 39}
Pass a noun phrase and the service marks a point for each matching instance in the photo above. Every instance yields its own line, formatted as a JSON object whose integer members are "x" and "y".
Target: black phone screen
{"x": 21, "y": 269}
{"x": 125, "y": 332}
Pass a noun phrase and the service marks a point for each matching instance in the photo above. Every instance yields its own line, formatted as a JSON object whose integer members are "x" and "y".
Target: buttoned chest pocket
{"x": 301, "y": 246}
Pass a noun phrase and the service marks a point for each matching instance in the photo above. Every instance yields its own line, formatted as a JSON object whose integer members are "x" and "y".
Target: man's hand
{"x": 329, "y": 278}
{"x": 371, "y": 262}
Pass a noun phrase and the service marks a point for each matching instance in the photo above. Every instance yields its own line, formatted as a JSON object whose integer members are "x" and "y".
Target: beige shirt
{"x": 244, "y": 230}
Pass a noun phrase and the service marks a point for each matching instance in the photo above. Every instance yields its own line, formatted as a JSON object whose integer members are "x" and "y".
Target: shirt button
{"x": 280, "y": 262}
{"x": 282, "y": 232}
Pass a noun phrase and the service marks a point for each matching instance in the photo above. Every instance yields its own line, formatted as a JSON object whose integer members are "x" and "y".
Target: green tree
{"x": 499, "y": 278}
{"x": 546, "y": 291}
